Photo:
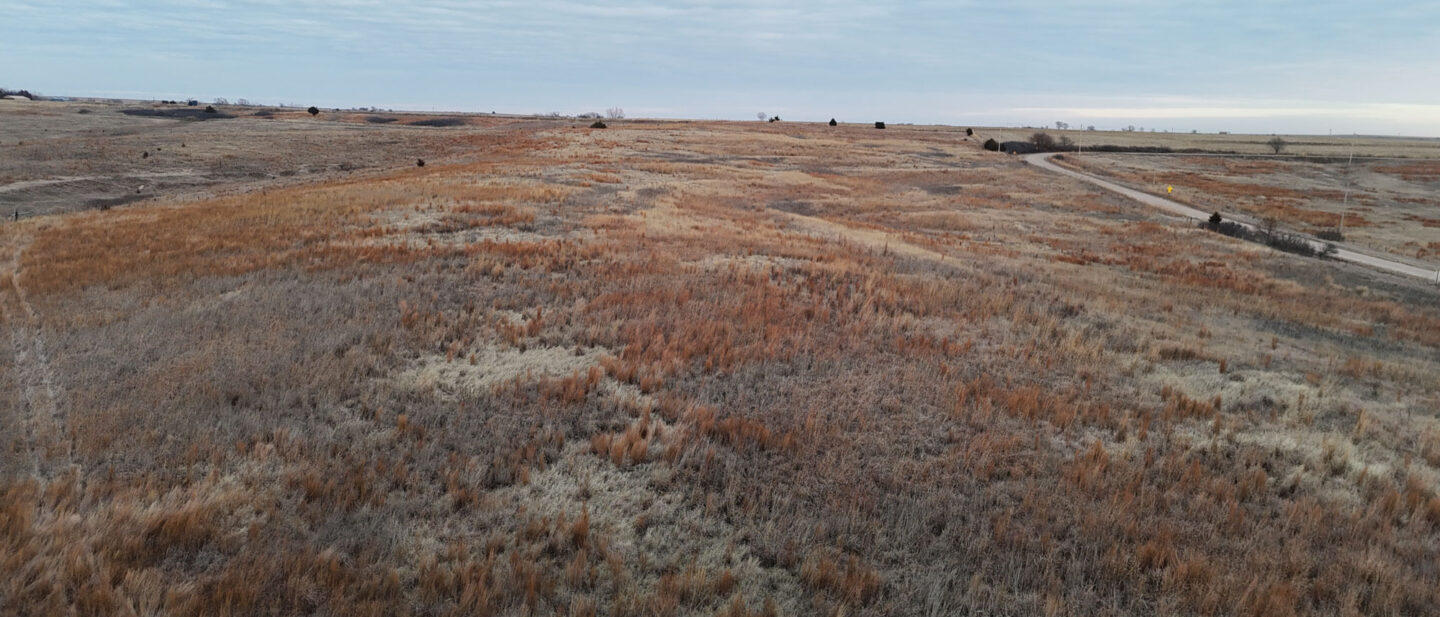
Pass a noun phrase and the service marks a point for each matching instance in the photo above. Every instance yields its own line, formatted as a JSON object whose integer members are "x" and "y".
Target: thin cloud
{"x": 921, "y": 59}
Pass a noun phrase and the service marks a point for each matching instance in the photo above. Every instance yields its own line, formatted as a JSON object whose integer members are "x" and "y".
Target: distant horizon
{"x": 428, "y": 109}
{"x": 1319, "y": 67}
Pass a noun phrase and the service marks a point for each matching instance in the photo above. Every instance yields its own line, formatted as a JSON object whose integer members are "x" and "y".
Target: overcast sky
{"x": 1262, "y": 66}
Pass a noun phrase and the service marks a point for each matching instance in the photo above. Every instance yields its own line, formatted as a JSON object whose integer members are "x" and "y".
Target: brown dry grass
{"x": 815, "y": 371}
{"x": 1389, "y": 206}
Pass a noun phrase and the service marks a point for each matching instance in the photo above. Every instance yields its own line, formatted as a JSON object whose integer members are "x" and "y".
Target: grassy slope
{"x": 706, "y": 368}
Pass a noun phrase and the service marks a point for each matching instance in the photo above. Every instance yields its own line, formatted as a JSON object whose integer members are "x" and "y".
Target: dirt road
{"x": 1342, "y": 252}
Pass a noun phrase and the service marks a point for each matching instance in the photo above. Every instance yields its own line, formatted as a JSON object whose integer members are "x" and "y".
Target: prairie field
{"x": 1328, "y": 146}
{"x": 690, "y": 368}
{"x": 1390, "y": 206}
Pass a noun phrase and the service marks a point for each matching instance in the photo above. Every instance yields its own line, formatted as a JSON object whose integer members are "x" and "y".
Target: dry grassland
{"x": 1335, "y": 146}
{"x": 705, "y": 369}
{"x": 1389, "y": 206}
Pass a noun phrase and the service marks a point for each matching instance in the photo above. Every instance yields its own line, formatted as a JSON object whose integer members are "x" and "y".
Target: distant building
{"x": 193, "y": 103}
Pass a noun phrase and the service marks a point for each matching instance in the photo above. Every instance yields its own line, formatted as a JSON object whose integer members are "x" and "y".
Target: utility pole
{"x": 1345, "y": 205}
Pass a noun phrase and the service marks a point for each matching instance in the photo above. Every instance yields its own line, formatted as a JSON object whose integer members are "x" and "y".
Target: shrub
{"x": 969, "y": 132}
{"x": 419, "y": 162}
{"x": 833, "y": 122}
{"x": 992, "y": 145}
{"x": 440, "y": 122}
{"x": 1227, "y": 228}
{"x": 209, "y": 109}
{"x": 314, "y": 111}
{"x": 1293, "y": 243}
{"x": 598, "y": 125}
{"x": 1269, "y": 235}
{"x": 1043, "y": 142}
{"x": 879, "y": 125}
{"x": 1333, "y": 235}
{"x": 1277, "y": 144}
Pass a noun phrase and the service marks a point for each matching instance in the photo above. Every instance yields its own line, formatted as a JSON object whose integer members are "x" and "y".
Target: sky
{"x": 1251, "y": 66}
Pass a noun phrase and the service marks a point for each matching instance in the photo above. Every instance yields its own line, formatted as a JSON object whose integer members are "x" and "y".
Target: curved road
{"x": 1042, "y": 160}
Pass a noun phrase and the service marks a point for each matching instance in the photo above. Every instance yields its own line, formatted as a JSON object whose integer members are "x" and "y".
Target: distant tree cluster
{"x": 615, "y": 113}
{"x": 1045, "y": 143}
{"x": 25, "y": 93}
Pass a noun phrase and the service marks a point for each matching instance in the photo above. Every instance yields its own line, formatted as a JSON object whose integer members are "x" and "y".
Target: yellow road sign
{"x": 1169, "y": 189}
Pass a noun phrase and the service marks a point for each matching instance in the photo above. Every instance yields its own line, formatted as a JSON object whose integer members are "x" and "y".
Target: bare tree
{"x": 1277, "y": 144}
{"x": 1043, "y": 142}
{"x": 615, "y": 113}
{"x": 222, "y": 101}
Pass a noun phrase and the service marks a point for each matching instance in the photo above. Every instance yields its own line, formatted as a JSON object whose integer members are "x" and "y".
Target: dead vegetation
{"x": 711, "y": 369}
{"x": 1386, "y": 206}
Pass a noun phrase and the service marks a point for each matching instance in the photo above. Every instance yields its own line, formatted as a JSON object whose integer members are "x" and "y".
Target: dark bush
{"x": 992, "y": 145}
{"x": 969, "y": 132}
{"x": 833, "y": 122}
{"x": 1333, "y": 235}
{"x": 1279, "y": 240}
{"x": 440, "y": 122}
{"x": 598, "y": 125}
{"x": 419, "y": 162}
{"x": 210, "y": 109}
{"x": 1294, "y": 243}
{"x": 879, "y": 125}
{"x": 313, "y": 111}
{"x": 182, "y": 114}
{"x": 1229, "y": 228}
{"x": 1044, "y": 142}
